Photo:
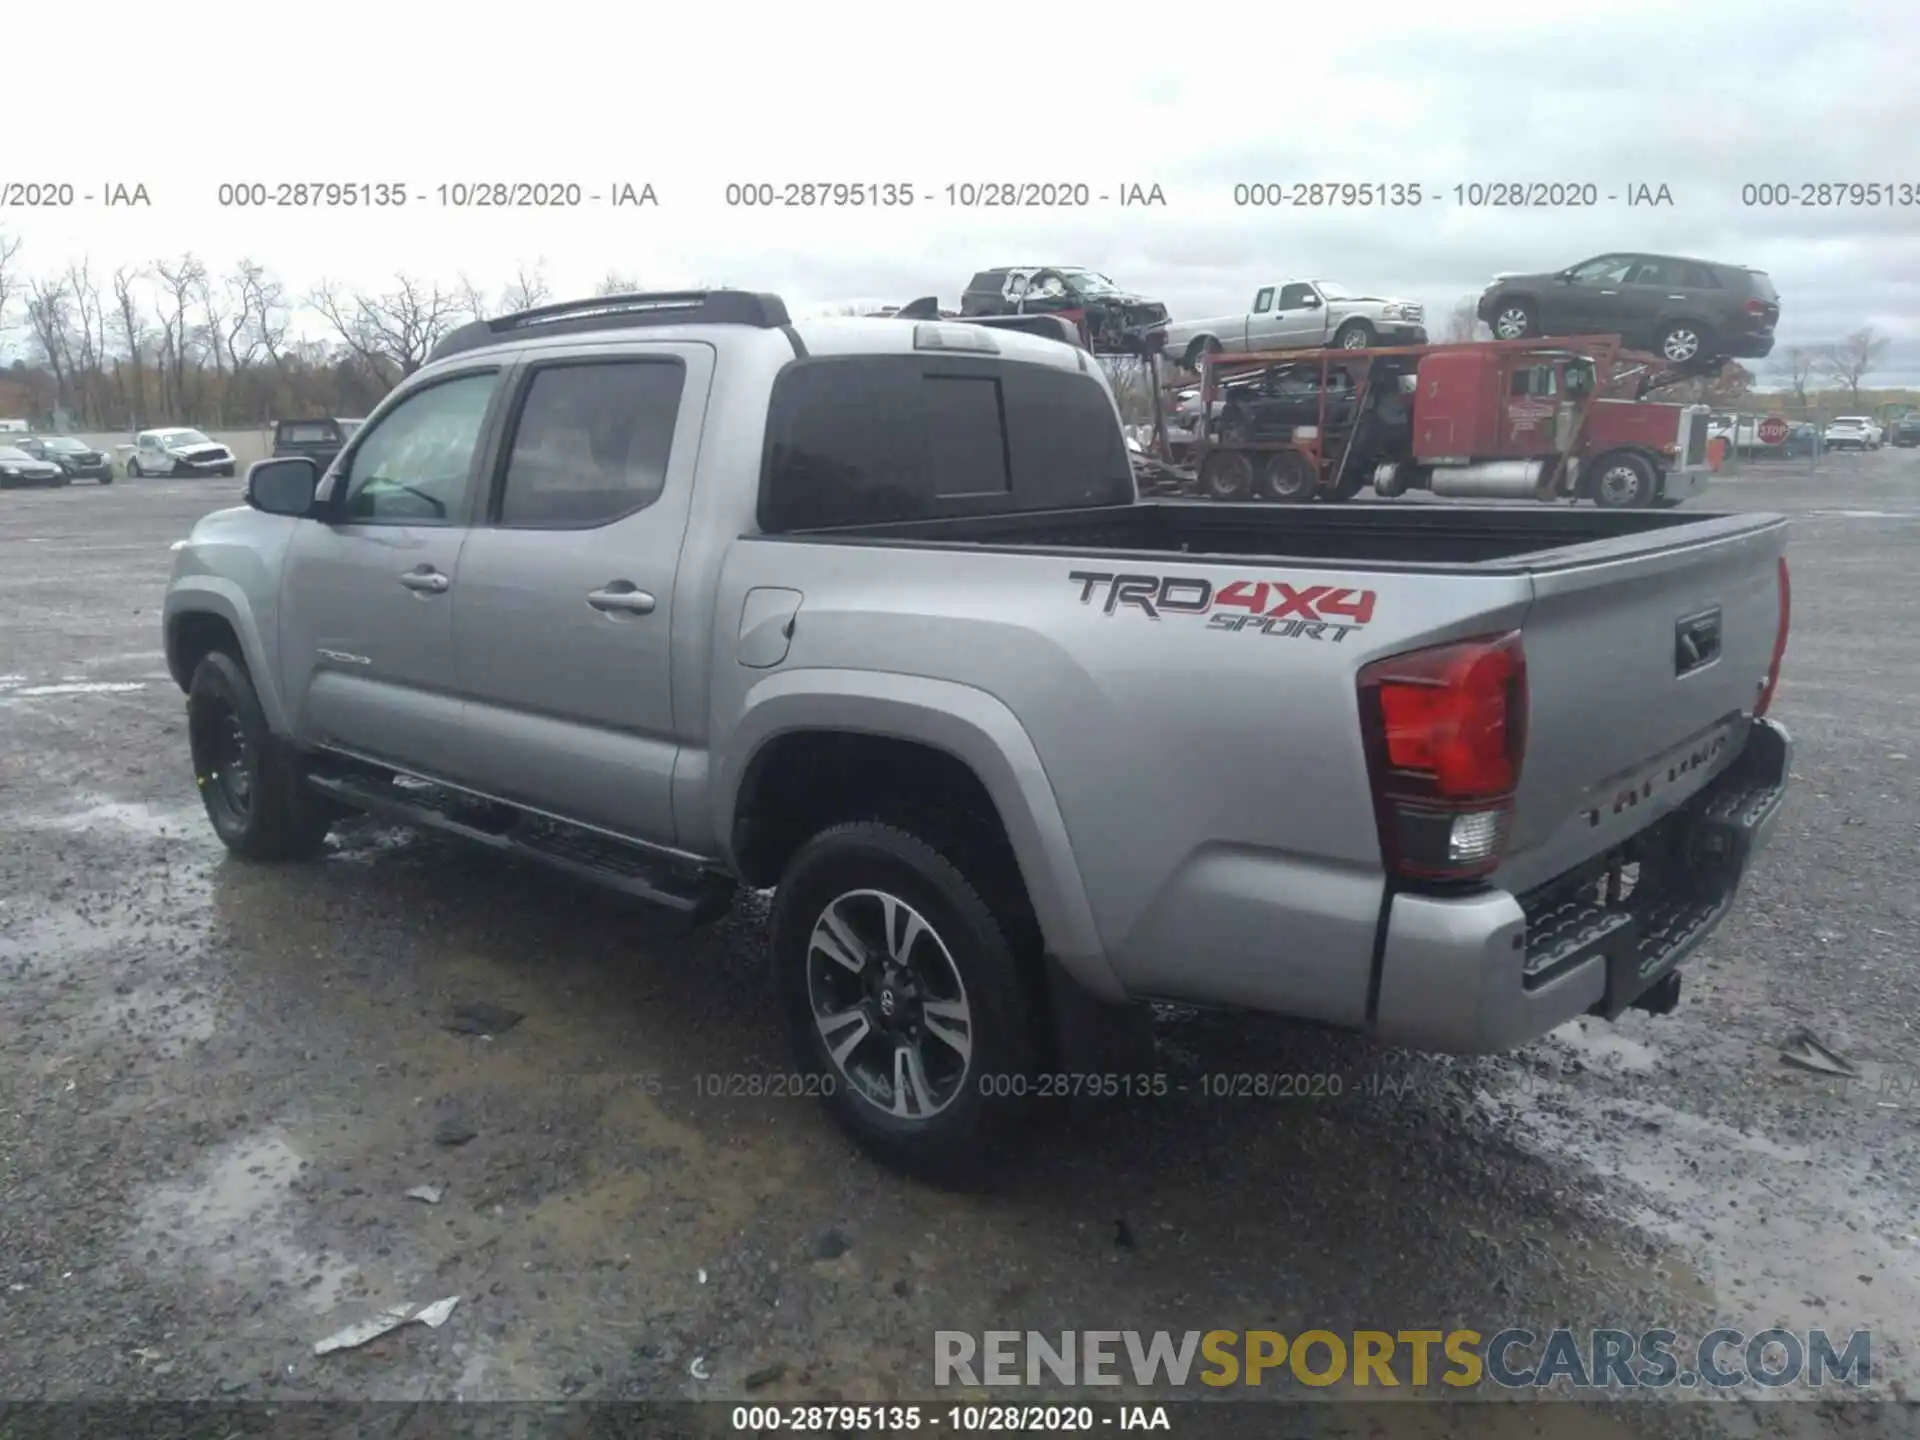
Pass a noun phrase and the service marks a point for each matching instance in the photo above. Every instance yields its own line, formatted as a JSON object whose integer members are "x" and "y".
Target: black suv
{"x": 1685, "y": 311}
{"x": 1904, "y": 432}
{"x": 77, "y": 461}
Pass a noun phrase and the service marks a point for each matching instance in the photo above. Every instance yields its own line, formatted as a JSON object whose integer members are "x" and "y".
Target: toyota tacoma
{"x": 683, "y": 595}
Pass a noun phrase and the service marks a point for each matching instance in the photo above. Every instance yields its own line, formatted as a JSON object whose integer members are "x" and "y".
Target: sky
{"x": 1705, "y": 99}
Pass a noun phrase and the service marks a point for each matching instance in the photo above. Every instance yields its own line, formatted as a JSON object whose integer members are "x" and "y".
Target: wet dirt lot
{"x": 218, "y": 1082}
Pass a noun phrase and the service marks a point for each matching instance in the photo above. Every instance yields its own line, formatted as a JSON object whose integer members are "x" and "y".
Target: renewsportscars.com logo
{"x": 1512, "y": 1359}
{"x": 1266, "y": 607}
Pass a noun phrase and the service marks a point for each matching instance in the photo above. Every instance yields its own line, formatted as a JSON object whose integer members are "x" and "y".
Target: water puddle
{"x": 235, "y": 1219}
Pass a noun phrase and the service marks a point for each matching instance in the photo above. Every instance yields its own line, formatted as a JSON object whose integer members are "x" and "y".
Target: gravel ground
{"x": 218, "y": 1082}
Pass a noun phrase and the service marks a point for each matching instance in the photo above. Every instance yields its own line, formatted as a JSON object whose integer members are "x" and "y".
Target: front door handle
{"x": 427, "y": 579}
{"x": 621, "y": 598}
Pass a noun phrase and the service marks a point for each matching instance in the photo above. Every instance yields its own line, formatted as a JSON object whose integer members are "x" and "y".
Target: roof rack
{"x": 619, "y": 312}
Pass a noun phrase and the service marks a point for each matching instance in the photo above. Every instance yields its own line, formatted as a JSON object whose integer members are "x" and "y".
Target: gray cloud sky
{"x": 1702, "y": 98}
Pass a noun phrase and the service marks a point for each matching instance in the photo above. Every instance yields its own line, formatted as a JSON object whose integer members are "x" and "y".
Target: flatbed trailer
{"x": 1513, "y": 441}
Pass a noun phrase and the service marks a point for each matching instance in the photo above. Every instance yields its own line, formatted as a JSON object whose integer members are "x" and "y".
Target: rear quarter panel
{"x": 1208, "y": 777}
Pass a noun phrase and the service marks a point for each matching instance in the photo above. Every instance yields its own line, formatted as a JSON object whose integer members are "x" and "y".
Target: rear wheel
{"x": 1682, "y": 343}
{"x": 1226, "y": 475}
{"x": 1289, "y": 477}
{"x": 1623, "y": 482}
{"x": 251, "y": 782}
{"x": 1205, "y": 345}
{"x": 907, "y": 1000}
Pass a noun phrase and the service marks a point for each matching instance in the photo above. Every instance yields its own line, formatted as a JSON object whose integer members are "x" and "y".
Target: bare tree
{"x": 132, "y": 329}
{"x": 1848, "y": 362}
{"x": 90, "y": 325}
{"x": 616, "y": 283}
{"x": 265, "y": 303}
{"x": 527, "y": 289}
{"x": 9, "y": 276}
{"x": 181, "y": 280}
{"x": 1795, "y": 365}
{"x": 50, "y": 313}
{"x": 392, "y": 334}
{"x": 1463, "y": 320}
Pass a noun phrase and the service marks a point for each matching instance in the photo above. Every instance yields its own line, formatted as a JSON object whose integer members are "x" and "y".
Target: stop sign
{"x": 1773, "y": 431}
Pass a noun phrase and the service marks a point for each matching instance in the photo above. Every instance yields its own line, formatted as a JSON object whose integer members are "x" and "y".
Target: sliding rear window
{"x": 867, "y": 439}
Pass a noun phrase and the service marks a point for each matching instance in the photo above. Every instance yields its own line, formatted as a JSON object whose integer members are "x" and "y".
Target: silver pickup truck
{"x": 678, "y": 594}
{"x": 1300, "y": 315}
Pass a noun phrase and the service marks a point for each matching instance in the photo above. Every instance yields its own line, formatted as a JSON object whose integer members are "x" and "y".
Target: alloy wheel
{"x": 1680, "y": 345}
{"x": 1510, "y": 324}
{"x": 889, "y": 1004}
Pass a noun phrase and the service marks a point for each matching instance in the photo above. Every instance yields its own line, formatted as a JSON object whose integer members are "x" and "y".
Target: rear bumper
{"x": 1487, "y": 972}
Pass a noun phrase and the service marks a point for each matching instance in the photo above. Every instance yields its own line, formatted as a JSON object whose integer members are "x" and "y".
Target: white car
{"x": 177, "y": 451}
{"x": 1852, "y": 432}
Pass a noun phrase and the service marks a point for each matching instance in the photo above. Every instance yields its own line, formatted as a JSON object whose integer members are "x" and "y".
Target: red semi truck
{"x": 1528, "y": 419}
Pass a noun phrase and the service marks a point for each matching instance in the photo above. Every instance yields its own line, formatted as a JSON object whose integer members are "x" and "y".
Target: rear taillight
{"x": 1446, "y": 730}
{"x": 1779, "y": 643}
{"x": 1755, "y": 307}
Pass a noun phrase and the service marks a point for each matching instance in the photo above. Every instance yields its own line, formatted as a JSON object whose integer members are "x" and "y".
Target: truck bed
{"x": 1482, "y": 539}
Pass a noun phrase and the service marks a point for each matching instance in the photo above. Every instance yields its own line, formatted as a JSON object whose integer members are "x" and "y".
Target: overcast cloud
{"x": 1700, "y": 98}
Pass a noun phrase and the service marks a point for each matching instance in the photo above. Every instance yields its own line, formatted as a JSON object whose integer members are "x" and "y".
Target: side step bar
{"x": 695, "y": 895}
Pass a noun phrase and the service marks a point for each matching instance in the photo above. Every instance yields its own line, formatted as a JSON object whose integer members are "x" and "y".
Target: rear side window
{"x": 875, "y": 438}
{"x": 591, "y": 443}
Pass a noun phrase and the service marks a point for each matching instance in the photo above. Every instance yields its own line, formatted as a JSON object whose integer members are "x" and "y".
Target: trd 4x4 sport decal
{"x": 1268, "y": 607}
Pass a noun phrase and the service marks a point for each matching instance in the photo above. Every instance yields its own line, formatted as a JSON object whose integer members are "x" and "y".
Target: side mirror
{"x": 283, "y": 487}
{"x": 1312, "y": 302}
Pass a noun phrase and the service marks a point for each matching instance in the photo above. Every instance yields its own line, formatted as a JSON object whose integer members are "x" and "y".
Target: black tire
{"x": 1204, "y": 345}
{"x": 226, "y": 472}
{"x": 1289, "y": 477}
{"x": 1683, "y": 342}
{"x": 1227, "y": 475}
{"x": 1515, "y": 320}
{"x": 1624, "y": 482}
{"x": 105, "y": 480}
{"x": 1666, "y": 502}
{"x": 972, "y": 947}
{"x": 1355, "y": 335}
{"x": 251, "y": 782}
{"x": 133, "y": 468}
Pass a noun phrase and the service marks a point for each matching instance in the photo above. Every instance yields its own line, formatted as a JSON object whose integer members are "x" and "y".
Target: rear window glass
{"x": 308, "y": 435}
{"x": 1762, "y": 285}
{"x": 875, "y": 438}
{"x": 592, "y": 443}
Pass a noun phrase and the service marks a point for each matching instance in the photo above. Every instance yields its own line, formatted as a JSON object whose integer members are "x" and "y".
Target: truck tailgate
{"x": 1641, "y": 666}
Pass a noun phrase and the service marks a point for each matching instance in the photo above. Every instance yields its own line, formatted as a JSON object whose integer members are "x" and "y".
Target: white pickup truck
{"x": 1301, "y": 315}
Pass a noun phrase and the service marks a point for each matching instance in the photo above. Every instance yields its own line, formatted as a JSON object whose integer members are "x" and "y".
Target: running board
{"x": 697, "y": 896}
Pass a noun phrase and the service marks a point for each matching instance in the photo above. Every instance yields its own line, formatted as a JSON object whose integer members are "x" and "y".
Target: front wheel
{"x": 1625, "y": 482}
{"x": 1514, "y": 320}
{"x": 1354, "y": 335}
{"x": 250, "y": 781}
{"x": 133, "y": 468}
{"x": 907, "y": 1003}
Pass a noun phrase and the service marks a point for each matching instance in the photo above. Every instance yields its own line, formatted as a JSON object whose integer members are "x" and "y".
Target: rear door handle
{"x": 621, "y": 598}
{"x": 427, "y": 579}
